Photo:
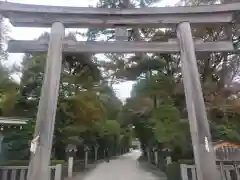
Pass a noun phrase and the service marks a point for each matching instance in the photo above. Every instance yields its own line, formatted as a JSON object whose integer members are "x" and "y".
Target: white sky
{"x": 122, "y": 90}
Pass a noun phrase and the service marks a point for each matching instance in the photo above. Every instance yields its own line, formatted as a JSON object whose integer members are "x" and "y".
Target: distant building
{"x": 226, "y": 151}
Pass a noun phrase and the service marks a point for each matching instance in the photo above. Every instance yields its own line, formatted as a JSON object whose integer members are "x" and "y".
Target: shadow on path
{"x": 145, "y": 166}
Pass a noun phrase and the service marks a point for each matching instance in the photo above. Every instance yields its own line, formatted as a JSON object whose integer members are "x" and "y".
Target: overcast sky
{"x": 122, "y": 90}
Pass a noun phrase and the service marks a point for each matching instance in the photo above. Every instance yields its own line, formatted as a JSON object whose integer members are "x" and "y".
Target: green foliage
{"x": 16, "y": 142}
{"x": 90, "y": 113}
{"x": 85, "y": 102}
{"x": 108, "y": 128}
{"x": 168, "y": 128}
{"x": 228, "y": 131}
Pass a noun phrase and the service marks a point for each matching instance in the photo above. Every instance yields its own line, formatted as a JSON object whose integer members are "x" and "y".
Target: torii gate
{"x": 59, "y": 18}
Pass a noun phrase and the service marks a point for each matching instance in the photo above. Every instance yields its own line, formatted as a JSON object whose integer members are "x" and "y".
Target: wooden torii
{"x": 59, "y": 18}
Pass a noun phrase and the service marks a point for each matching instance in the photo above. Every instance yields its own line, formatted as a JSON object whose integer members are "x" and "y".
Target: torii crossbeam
{"x": 74, "y": 17}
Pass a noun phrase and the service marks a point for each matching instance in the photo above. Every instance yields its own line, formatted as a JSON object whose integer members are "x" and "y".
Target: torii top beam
{"x": 24, "y": 15}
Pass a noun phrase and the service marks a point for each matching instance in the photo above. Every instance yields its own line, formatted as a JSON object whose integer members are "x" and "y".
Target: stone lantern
{"x": 155, "y": 151}
{"x": 168, "y": 157}
{"x": 71, "y": 150}
{"x": 96, "y": 147}
{"x": 86, "y": 150}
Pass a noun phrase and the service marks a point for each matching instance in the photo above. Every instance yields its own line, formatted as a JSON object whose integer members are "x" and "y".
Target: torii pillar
{"x": 204, "y": 155}
{"x": 40, "y": 159}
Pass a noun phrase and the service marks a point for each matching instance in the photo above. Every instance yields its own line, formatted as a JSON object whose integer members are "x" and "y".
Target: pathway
{"x": 126, "y": 167}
